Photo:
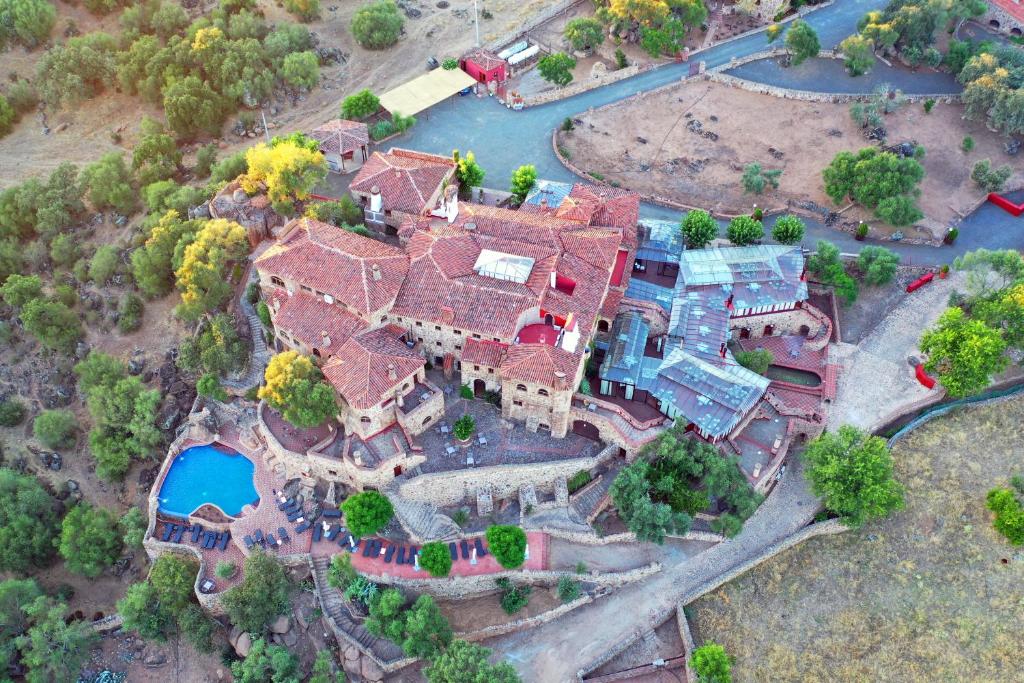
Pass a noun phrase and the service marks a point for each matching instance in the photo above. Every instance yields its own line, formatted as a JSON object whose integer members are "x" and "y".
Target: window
{"x": 405, "y": 386}
{"x": 477, "y": 368}
{"x": 427, "y": 419}
{"x": 476, "y": 336}
{"x": 542, "y": 392}
{"x": 458, "y": 347}
{"x": 517, "y": 403}
{"x": 437, "y": 343}
{"x": 490, "y": 370}
{"x": 304, "y": 288}
{"x": 419, "y": 324}
{"x": 387, "y": 402}
{"x": 333, "y": 473}
{"x": 437, "y": 327}
{"x": 520, "y": 387}
{"x": 365, "y": 420}
{"x": 419, "y": 338}
{"x": 497, "y": 339}
{"x": 384, "y": 319}
{"x": 275, "y": 280}
{"x": 459, "y": 332}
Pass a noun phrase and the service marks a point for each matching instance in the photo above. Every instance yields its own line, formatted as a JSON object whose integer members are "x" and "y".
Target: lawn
{"x": 931, "y": 594}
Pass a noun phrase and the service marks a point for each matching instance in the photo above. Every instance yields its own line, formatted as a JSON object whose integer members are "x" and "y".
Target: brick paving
{"x": 294, "y": 438}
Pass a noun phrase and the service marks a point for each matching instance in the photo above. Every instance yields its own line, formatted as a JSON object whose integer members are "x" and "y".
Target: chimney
{"x": 376, "y": 201}
{"x": 325, "y": 338}
{"x": 392, "y": 375}
{"x": 543, "y": 202}
{"x": 375, "y": 270}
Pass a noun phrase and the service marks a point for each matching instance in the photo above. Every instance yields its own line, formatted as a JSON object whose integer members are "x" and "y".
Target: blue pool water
{"x": 208, "y": 474}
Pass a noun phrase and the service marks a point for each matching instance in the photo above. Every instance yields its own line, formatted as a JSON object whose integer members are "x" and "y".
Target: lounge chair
{"x": 168, "y": 529}
{"x": 453, "y": 550}
{"x": 302, "y": 527}
{"x": 372, "y": 548}
{"x": 411, "y": 557}
{"x": 197, "y": 530}
{"x": 332, "y": 531}
{"x": 282, "y": 534}
{"x": 271, "y": 541}
{"x": 287, "y": 504}
{"x": 292, "y": 516}
{"x": 258, "y": 536}
{"x": 224, "y": 538}
{"x": 479, "y": 545}
{"x": 388, "y": 554}
{"x": 249, "y": 542}
{"x": 464, "y": 545}
{"x": 318, "y": 532}
{"x": 331, "y": 513}
{"x": 209, "y": 538}
{"x": 179, "y": 531}
{"x": 400, "y": 558}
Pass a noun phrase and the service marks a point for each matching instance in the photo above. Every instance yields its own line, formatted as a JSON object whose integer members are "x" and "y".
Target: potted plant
{"x": 862, "y": 232}
{"x": 951, "y": 236}
{"x": 225, "y": 570}
{"x": 758, "y": 214}
{"x": 944, "y": 271}
{"x": 463, "y": 428}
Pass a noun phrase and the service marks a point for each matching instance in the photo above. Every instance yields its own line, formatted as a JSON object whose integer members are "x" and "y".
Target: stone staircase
{"x": 422, "y": 520}
{"x": 333, "y": 604}
{"x": 590, "y": 500}
{"x": 260, "y": 353}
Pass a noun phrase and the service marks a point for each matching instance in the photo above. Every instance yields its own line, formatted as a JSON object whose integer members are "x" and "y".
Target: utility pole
{"x": 476, "y": 20}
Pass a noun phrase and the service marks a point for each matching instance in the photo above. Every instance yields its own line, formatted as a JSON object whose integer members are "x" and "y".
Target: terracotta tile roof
{"x": 339, "y": 263}
{"x": 340, "y": 136}
{"x": 483, "y": 352}
{"x": 406, "y": 179}
{"x": 1012, "y": 7}
{"x": 540, "y": 364}
{"x": 485, "y": 59}
{"x": 611, "y": 207}
{"x": 307, "y": 317}
{"x": 611, "y": 303}
{"x": 361, "y": 369}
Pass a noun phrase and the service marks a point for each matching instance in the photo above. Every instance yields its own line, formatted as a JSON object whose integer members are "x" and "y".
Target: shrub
{"x": 367, "y": 513}
{"x": 507, "y": 544}
{"x": 89, "y": 540}
{"x": 744, "y": 230}
{"x": 513, "y": 598}
{"x": 465, "y": 391}
{"x": 989, "y": 179}
{"x": 263, "y": 312}
{"x": 578, "y": 481}
{"x": 377, "y": 25}
{"x": 7, "y": 116}
{"x": 229, "y": 168}
{"x": 1009, "y": 514}
{"x": 263, "y": 595}
{"x": 755, "y": 361}
{"x": 209, "y": 385}
{"x": 301, "y": 69}
{"x": 699, "y": 228}
{"x": 103, "y": 264}
{"x": 109, "y": 184}
{"x": 205, "y": 159}
{"x": 967, "y": 144}
{"x": 450, "y": 64}
{"x": 755, "y": 178}
{"x": 381, "y": 130}
{"x": 360, "y": 105}
{"x": 788, "y": 229}
{"x": 712, "y": 664}
{"x": 341, "y": 575}
{"x": 436, "y": 559}
{"x": 28, "y": 22}
{"x": 620, "y": 59}
{"x": 55, "y": 428}
{"x": 556, "y": 68}
{"x": 878, "y": 265}
{"x": 55, "y": 325}
{"x": 568, "y": 589}
{"x": 129, "y": 313}
{"x": 225, "y": 570}
{"x": 463, "y": 427}
{"x": 12, "y": 412}
{"x": 929, "y": 104}
{"x": 305, "y": 10}
{"x": 77, "y": 70}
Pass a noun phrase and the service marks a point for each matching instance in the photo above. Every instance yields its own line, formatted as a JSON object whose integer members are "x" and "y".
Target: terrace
{"x": 293, "y": 438}
{"x": 420, "y": 394}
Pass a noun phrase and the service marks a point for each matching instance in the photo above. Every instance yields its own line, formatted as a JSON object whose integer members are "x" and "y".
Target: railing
{"x": 640, "y": 425}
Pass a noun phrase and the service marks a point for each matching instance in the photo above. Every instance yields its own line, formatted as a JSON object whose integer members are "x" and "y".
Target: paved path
{"x": 503, "y": 139}
{"x": 555, "y": 651}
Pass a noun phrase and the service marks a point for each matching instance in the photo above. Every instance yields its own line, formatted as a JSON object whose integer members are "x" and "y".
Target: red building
{"x": 484, "y": 66}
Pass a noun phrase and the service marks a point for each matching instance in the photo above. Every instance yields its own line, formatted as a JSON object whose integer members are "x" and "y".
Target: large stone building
{"x": 400, "y": 184}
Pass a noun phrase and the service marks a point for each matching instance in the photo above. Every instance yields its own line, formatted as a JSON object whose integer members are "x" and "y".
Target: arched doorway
{"x": 993, "y": 23}
{"x": 549, "y": 319}
{"x": 804, "y": 330}
{"x": 602, "y": 325}
{"x": 1015, "y": 31}
{"x": 586, "y": 430}
{"x": 768, "y": 329}
{"x": 479, "y": 387}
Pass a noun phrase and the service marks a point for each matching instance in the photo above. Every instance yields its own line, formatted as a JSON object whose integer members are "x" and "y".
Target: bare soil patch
{"x": 698, "y": 136}
{"x": 930, "y": 594}
{"x": 474, "y": 614}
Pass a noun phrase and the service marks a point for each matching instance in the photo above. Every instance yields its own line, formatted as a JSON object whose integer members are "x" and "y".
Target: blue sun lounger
{"x": 209, "y": 539}
{"x": 197, "y": 530}
{"x": 332, "y": 531}
{"x": 411, "y": 557}
{"x": 389, "y": 552}
{"x": 271, "y": 541}
{"x": 302, "y": 527}
{"x": 331, "y": 513}
{"x": 453, "y": 551}
{"x": 249, "y": 542}
{"x": 479, "y": 545}
{"x": 287, "y": 504}
{"x": 292, "y": 516}
{"x": 179, "y": 531}
{"x": 168, "y": 530}
{"x": 224, "y": 538}
{"x": 400, "y": 558}
{"x": 282, "y": 534}
{"x": 258, "y": 536}
{"x": 464, "y": 545}
{"x": 318, "y": 532}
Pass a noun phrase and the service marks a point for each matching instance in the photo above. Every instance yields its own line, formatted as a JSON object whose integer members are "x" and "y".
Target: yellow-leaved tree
{"x": 296, "y": 388}
{"x": 201, "y": 266}
{"x": 644, "y": 12}
{"x": 288, "y": 171}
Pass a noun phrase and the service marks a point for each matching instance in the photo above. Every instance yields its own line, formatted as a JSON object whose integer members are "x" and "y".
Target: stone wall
{"x": 523, "y": 30}
{"x": 808, "y": 96}
{"x": 538, "y": 405}
{"x": 1007, "y": 22}
{"x": 788, "y": 323}
{"x": 452, "y": 488}
{"x": 590, "y": 83}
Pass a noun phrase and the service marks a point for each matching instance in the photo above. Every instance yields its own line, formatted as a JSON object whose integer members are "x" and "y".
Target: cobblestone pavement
{"x": 555, "y": 651}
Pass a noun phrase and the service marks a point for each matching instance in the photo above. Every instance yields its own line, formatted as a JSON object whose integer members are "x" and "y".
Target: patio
{"x": 294, "y": 438}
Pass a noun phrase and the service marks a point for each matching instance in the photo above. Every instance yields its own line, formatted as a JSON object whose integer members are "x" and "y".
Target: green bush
{"x": 104, "y": 264}
{"x": 229, "y": 168}
{"x": 967, "y": 144}
{"x": 381, "y": 130}
{"x": 225, "y": 570}
{"x": 12, "y": 412}
{"x": 7, "y": 116}
{"x": 513, "y": 598}
{"x": 464, "y": 427}
{"x": 263, "y": 312}
{"x": 744, "y": 230}
{"x": 507, "y": 544}
{"x": 788, "y": 229}
{"x": 305, "y": 10}
{"x": 436, "y": 559}
{"x": 1009, "y": 514}
{"x": 377, "y": 25}
{"x": 450, "y": 64}
{"x": 465, "y": 391}
{"x": 367, "y": 513}
{"x": 757, "y": 360}
{"x": 568, "y": 589}
{"x": 27, "y": 22}
{"x": 360, "y": 105}
{"x": 578, "y": 481}
{"x": 55, "y": 428}
{"x": 878, "y": 265}
{"x": 129, "y": 313}
{"x": 209, "y": 385}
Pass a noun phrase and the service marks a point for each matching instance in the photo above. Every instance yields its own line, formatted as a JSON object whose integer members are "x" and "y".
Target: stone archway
{"x": 994, "y": 23}
{"x": 479, "y": 387}
{"x": 586, "y": 429}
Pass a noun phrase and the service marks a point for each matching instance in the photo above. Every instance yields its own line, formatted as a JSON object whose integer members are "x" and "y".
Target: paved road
{"x": 555, "y": 651}
{"x": 503, "y": 139}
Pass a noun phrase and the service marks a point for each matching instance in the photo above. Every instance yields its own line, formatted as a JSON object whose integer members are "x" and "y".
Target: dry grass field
{"x": 931, "y": 594}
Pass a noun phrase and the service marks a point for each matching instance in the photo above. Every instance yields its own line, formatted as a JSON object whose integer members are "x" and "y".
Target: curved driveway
{"x": 503, "y": 139}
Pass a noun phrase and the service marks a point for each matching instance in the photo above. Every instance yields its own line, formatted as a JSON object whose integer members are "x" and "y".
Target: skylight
{"x": 502, "y": 266}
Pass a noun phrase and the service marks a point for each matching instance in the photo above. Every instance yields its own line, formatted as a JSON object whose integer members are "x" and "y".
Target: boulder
{"x": 370, "y": 671}
{"x": 154, "y": 660}
{"x": 351, "y": 653}
{"x": 291, "y": 638}
{"x": 281, "y": 625}
{"x": 243, "y": 644}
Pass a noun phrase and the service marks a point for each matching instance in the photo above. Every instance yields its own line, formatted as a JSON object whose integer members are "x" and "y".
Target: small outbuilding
{"x": 344, "y": 144}
{"x": 484, "y": 66}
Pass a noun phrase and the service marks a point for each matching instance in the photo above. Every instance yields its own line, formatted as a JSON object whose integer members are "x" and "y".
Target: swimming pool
{"x": 212, "y": 474}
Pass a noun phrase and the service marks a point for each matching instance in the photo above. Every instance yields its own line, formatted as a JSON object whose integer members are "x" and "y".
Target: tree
{"x": 156, "y": 156}
{"x": 773, "y": 32}
{"x": 989, "y": 271}
{"x": 507, "y": 544}
{"x": 215, "y": 349}
{"x": 524, "y": 179}
{"x": 209, "y": 385}
{"x": 387, "y": 616}
{"x": 167, "y": 195}
{"x": 859, "y": 54}
{"x": 463, "y": 427}
{"x": 556, "y": 68}
{"x": 359, "y": 106}
{"x": 99, "y": 372}
{"x": 133, "y": 527}
{"x": 427, "y": 632}
{"x": 263, "y": 595}
{"x": 435, "y": 558}
{"x": 305, "y": 10}
{"x": 513, "y": 598}
{"x": 77, "y": 70}
{"x": 229, "y": 168}
{"x": 202, "y": 267}
{"x": 55, "y": 325}
{"x": 152, "y": 265}
{"x": 12, "y": 412}
{"x": 871, "y": 176}
{"x": 584, "y": 33}
{"x": 699, "y": 228}
{"x": 193, "y": 106}
{"x": 28, "y": 522}
{"x": 757, "y": 360}
{"x": 8, "y": 116}
{"x": 109, "y": 184}
{"x": 367, "y": 513}
{"x": 802, "y": 42}
{"x": 288, "y": 171}
{"x": 898, "y": 211}
{"x": 104, "y": 263}
{"x": 642, "y": 12}
{"x": 15, "y": 595}
{"x": 1009, "y": 514}
{"x": 295, "y": 387}
{"x": 53, "y": 648}
{"x": 744, "y": 230}
{"x": 265, "y": 662}
{"x": 341, "y": 575}
{"x": 129, "y": 313}
{"x": 755, "y": 178}
{"x": 989, "y": 179}
{"x": 568, "y": 588}
{"x": 301, "y": 69}
{"x": 666, "y": 40}
{"x": 55, "y": 428}
{"x": 878, "y": 265}
{"x": 89, "y": 539}
{"x": 322, "y": 670}
{"x": 965, "y": 353}
{"x": 206, "y": 157}
{"x": 377, "y": 25}
{"x": 18, "y": 290}
{"x": 464, "y": 662}
{"x": 788, "y": 229}
{"x": 468, "y": 171}
{"x": 712, "y": 664}
{"x": 64, "y": 250}
{"x": 28, "y": 22}
{"x": 852, "y": 472}
{"x": 647, "y": 519}
{"x": 1004, "y": 311}
{"x": 340, "y": 213}
{"x": 828, "y": 268}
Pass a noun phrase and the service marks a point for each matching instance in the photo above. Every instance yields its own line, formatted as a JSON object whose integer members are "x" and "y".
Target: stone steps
{"x": 423, "y": 521}
{"x": 587, "y": 504}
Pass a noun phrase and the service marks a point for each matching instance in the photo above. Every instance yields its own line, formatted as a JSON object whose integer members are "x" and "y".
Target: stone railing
{"x": 618, "y": 410}
{"x": 522, "y": 30}
{"x": 810, "y": 96}
{"x": 528, "y": 622}
{"x": 586, "y": 85}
